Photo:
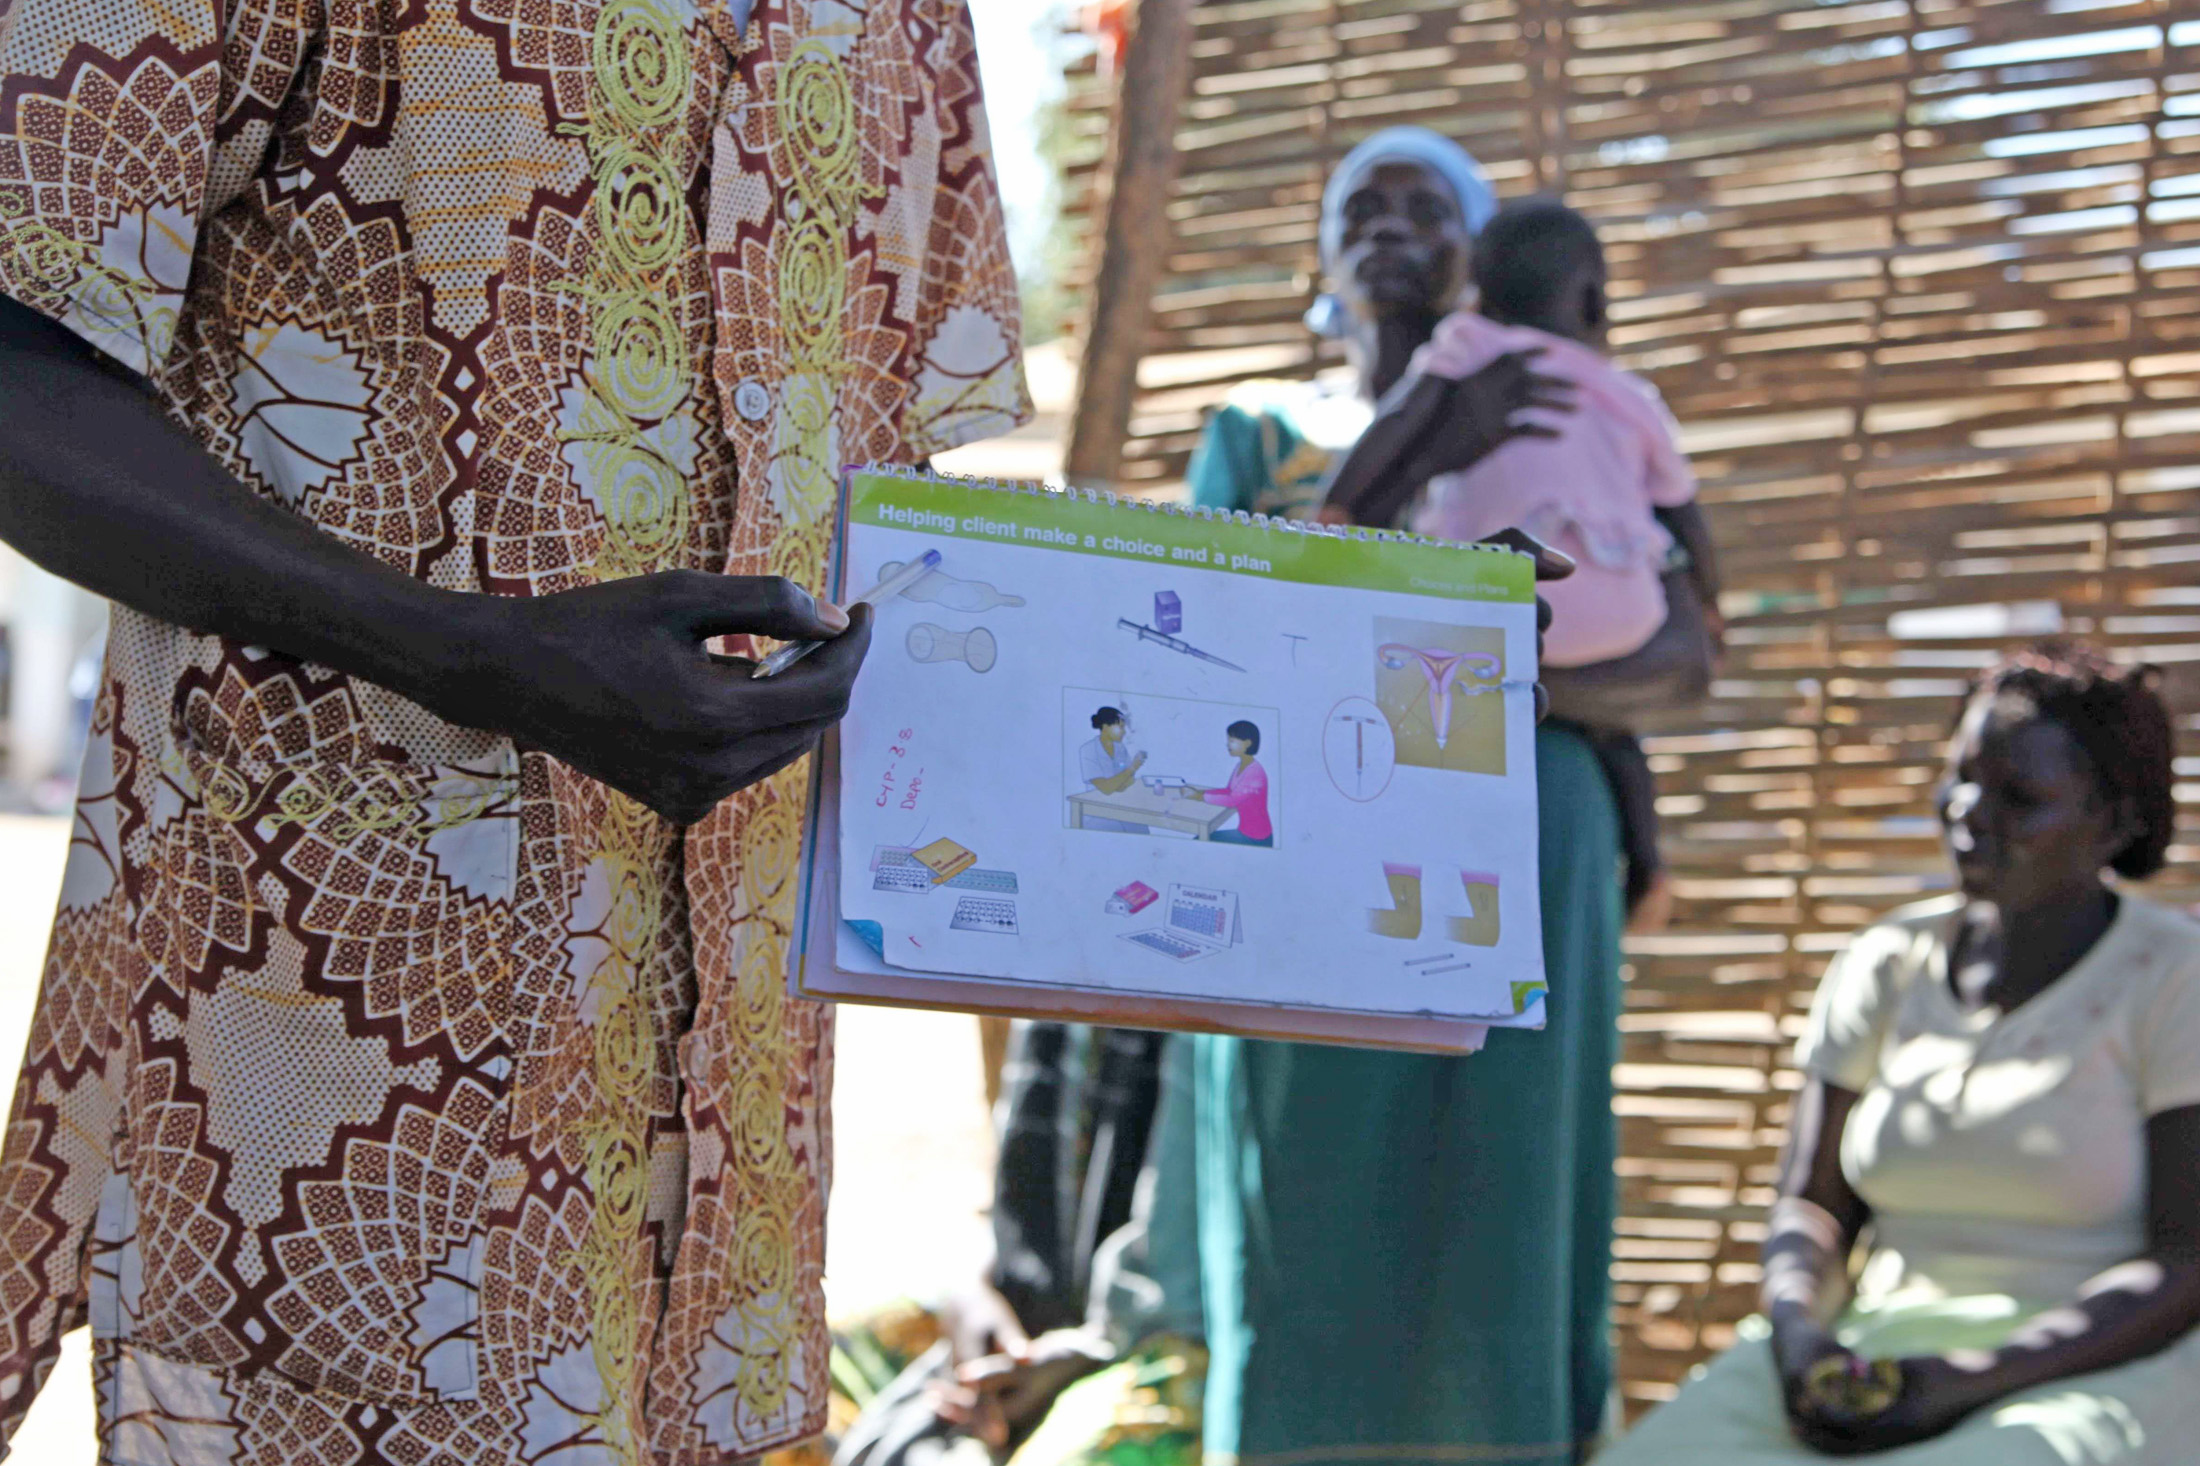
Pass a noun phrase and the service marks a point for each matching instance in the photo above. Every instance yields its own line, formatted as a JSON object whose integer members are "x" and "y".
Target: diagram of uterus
{"x": 1437, "y": 685}
{"x": 1442, "y": 670}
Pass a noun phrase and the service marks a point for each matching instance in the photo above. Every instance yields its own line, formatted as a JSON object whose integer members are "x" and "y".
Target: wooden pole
{"x": 1134, "y": 238}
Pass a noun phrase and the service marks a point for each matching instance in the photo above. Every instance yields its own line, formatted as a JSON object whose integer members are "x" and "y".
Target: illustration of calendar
{"x": 1201, "y": 922}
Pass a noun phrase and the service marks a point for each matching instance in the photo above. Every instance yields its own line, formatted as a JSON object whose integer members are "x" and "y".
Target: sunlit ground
{"x": 909, "y": 1121}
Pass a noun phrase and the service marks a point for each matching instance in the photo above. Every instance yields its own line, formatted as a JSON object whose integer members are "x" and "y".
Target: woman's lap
{"x": 2146, "y": 1413}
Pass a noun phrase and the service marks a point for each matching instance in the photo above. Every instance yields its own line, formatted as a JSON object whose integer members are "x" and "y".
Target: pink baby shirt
{"x": 1589, "y": 491}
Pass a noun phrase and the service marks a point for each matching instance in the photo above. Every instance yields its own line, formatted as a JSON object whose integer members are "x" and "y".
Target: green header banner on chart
{"x": 1067, "y": 520}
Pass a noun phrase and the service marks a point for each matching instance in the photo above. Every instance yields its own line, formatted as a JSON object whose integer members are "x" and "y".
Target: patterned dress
{"x": 397, "y": 1095}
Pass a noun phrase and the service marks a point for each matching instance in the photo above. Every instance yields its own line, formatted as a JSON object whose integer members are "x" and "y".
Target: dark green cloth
{"x": 1406, "y": 1258}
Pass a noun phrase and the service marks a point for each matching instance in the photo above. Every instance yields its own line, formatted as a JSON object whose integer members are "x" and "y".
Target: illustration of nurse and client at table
{"x": 1168, "y": 766}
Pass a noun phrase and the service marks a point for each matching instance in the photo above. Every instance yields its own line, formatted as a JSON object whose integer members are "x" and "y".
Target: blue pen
{"x": 893, "y": 585}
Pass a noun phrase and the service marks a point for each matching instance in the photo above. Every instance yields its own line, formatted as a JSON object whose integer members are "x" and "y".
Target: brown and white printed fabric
{"x": 397, "y": 1096}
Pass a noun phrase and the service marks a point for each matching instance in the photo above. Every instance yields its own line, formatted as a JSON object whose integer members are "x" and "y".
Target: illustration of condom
{"x": 929, "y": 643}
{"x": 1480, "y": 929}
{"x": 1403, "y": 920}
{"x": 1441, "y": 668}
{"x": 956, "y": 595}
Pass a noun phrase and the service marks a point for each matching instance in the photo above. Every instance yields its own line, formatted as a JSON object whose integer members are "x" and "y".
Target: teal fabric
{"x": 1253, "y": 461}
{"x": 1406, "y": 1258}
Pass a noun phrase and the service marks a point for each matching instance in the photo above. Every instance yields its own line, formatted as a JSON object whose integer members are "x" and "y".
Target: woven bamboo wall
{"x": 1922, "y": 280}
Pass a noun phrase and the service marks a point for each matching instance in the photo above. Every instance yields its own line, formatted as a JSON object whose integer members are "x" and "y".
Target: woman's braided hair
{"x": 2117, "y": 715}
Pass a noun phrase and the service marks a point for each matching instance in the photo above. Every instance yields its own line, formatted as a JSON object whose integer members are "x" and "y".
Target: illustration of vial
{"x": 1168, "y": 613}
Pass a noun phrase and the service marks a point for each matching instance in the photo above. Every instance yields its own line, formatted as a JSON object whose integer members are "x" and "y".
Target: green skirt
{"x": 1406, "y": 1258}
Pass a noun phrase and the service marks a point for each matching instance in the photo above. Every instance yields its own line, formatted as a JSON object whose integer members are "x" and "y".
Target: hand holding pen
{"x": 892, "y": 585}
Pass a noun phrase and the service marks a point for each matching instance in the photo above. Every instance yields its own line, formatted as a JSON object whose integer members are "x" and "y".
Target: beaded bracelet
{"x": 1844, "y": 1388}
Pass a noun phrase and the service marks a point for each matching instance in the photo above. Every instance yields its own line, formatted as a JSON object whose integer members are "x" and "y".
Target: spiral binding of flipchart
{"x": 1114, "y": 500}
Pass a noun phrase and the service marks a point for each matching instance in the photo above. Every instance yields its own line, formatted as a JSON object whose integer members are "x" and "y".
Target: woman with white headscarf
{"x": 1405, "y": 1259}
{"x": 1372, "y": 1257}
{"x": 1398, "y": 222}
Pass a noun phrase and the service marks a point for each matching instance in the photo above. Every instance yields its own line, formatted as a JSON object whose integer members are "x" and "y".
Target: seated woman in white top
{"x": 2002, "y": 1100}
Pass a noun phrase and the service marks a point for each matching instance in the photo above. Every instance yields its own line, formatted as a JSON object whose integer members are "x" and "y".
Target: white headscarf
{"x": 1416, "y": 145}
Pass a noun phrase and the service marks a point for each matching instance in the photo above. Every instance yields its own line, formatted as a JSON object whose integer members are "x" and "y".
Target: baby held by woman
{"x": 1605, "y": 482}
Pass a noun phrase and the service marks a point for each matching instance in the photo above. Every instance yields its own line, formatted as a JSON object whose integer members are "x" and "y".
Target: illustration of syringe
{"x": 1158, "y": 638}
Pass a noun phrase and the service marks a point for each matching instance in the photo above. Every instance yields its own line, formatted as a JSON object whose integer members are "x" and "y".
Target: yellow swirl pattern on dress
{"x": 642, "y": 235}
{"x": 641, "y": 376}
{"x": 768, "y": 1185}
{"x": 815, "y": 110}
{"x": 615, "y": 1133}
{"x": 49, "y": 268}
{"x": 343, "y": 803}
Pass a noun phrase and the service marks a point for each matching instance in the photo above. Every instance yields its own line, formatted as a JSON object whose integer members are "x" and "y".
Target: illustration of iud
{"x": 1360, "y": 726}
{"x": 1441, "y": 668}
